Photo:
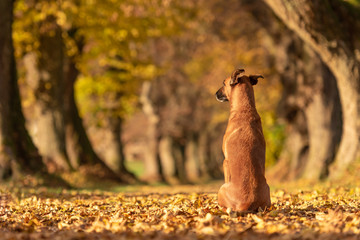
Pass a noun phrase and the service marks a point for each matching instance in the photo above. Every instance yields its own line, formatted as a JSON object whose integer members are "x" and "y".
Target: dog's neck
{"x": 242, "y": 99}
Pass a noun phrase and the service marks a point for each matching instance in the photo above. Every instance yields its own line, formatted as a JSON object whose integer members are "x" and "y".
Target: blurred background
{"x": 124, "y": 89}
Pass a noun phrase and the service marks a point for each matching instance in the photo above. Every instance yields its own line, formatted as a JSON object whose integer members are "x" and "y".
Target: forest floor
{"x": 177, "y": 212}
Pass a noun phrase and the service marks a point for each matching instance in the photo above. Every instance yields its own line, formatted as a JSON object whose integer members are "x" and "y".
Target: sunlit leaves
{"x": 105, "y": 38}
{"x": 302, "y": 214}
{"x": 114, "y": 55}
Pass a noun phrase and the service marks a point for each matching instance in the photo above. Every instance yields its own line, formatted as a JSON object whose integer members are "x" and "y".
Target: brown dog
{"x": 245, "y": 187}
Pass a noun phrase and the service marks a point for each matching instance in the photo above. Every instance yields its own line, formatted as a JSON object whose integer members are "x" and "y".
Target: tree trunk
{"x": 115, "y": 156}
{"x": 214, "y": 154}
{"x": 17, "y": 151}
{"x": 310, "y": 104}
{"x": 180, "y": 161}
{"x": 78, "y": 146}
{"x": 292, "y": 158}
{"x": 153, "y": 168}
{"x": 202, "y": 149}
{"x": 192, "y": 164}
{"x": 327, "y": 27}
{"x": 45, "y": 75}
{"x": 323, "y": 115}
{"x": 167, "y": 159}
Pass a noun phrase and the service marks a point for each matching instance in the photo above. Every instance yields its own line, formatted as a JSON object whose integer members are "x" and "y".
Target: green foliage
{"x": 136, "y": 167}
{"x": 111, "y": 64}
{"x": 106, "y": 39}
{"x": 353, "y": 2}
{"x": 274, "y": 133}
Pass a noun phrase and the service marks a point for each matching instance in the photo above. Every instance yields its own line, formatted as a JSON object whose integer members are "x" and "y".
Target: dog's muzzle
{"x": 220, "y": 96}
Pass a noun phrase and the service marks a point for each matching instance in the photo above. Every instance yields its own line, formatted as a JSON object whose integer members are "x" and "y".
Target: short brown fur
{"x": 245, "y": 187}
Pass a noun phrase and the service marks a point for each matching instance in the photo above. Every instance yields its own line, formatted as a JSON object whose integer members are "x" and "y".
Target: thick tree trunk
{"x": 78, "y": 146}
{"x": 327, "y": 27}
{"x": 310, "y": 104}
{"x": 17, "y": 151}
{"x": 323, "y": 115}
{"x": 45, "y": 75}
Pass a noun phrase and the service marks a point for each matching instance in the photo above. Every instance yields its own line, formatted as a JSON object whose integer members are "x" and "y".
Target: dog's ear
{"x": 235, "y": 76}
{"x": 254, "y": 79}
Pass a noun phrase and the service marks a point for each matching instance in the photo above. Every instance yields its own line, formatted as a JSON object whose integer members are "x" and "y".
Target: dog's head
{"x": 224, "y": 93}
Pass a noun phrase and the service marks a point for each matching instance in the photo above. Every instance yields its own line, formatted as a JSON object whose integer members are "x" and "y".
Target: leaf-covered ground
{"x": 176, "y": 213}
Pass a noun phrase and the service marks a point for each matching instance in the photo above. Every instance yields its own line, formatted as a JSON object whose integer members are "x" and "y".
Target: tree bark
{"x": 115, "y": 153}
{"x": 293, "y": 156}
{"x": 192, "y": 164}
{"x": 311, "y": 107}
{"x": 167, "y": 159}
{"x": 202, "y": 148}
{"x": 323, "y": 25}
{"x": 214, "y": 154}
{"x": 153, "y": 168}
{"x": 323, "y": 115}
{"x": 310, "y": 103}
{"x": 78, "y": 146}
{"x": 178, "y": 149}
{"x": 45, "y": 75}
{"x": 17, "y": 151}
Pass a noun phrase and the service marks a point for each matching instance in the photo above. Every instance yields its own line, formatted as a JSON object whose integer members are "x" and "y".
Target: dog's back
{"x": 245, "y": 187}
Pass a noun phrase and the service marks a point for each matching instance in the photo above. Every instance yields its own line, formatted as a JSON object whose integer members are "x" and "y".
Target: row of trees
{"x": 97, "y": 62}
{"x": 55, "y": 42}
{"x": 312, "y": 51}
